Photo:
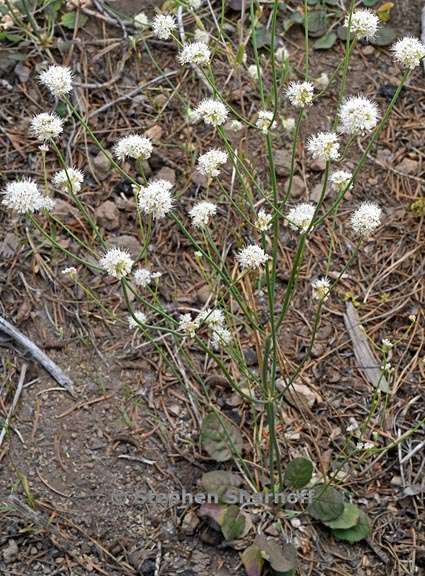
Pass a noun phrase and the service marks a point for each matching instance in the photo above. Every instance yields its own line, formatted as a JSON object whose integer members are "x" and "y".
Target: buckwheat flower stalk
{"x": 117, "y": 263}
{"x": 71, "y": 178}
{"x": 324, "y": 146}
{"x": 301, "y": 216}
{"x": 212, "y": 112}
{"x": 58, "y": 79}
{"x": 264, "y": 122}
{"x": 201, "y": 213}
{"x": 133, "y": 146}
{"x": 340, "y": 180}
{"x": 252, "y": 257}
{"x": 366, "y": 219}
{"x": 321, "y": 289}
{"x": 209, "y": 163}
{"x": 144, "y": 277}
{"x": 23, "y": 196}
{"x": 163, "y": 25}
{"x": 409, "y": 52}
{"x": 46, "y": 126}
{"x": 195, "y": 53}
{"x": 364, "y": 24}
{"x": 300, "y": 94}
{"x": 139, "y": 318}
{"x": 358, "y": 115}
{"x": 155, "y": 199}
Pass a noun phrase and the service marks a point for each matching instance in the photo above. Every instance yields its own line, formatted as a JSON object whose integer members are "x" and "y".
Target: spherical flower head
{"x": 133, "y": 146}
{"x": 212, "y": 112}
{"x": 364, "y": 24}
{"x": 264, "y": 122}
{"x": 195, "y": 53}
{"x": 358, "y": 115}
{"x": 212, "y": 318}
{"x": 58, "y": 79}
{"x": 300, "y": 94}
{"x": 144, "y": 277}
{"x": 155, "y": 199}
{"x": 201, "y": 213}
{"x": 324, "y": 146}
{"x": 340, "y": 180}
{"x": 46, "y": 126}
{"x": 71, "y": 272}
{"x": 253, "y": 72}
{"x": 301, "y": 216}
{"x": 263, "y": 221}
{"x": 321, "y": 289}
{"x": 163, "y": 25}
{"x": 288, "y": 124}
{"x": 209, "y": 163}
{"x": 23, "y": 196}
{"x": 252, "y": 257}
{"x": 386, "y": 344}
{"x": 117, "y": 263}
{"x": 409, "y": 52}
{"x": 281, "y": 54}
{"x": 187, "y": 325}
{"x": 366, "y": 219}
{"x": 141, "y": 21}
{"x": 69, "y": 179}
{"x": 220, "y": 337}
{"x": 137, "y": 319}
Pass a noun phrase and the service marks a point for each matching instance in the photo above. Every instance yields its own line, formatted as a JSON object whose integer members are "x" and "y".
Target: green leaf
{"x": 262, "y": 37}
{"x": 328, "y": 503}
{"x": 326, "y": 42}
{"x": 252, "y": 560}
{"x": 219, "y": 438}
{"x": 281, "y": 557}
{"x": 358, "y": 532}
{"x": 298, "y": 473}
{"x": 234, "y": 523}
{"x": 370, "y": 2}
{"x": 384, "y": 36}
{"x": 223, "y": 483}
{"x": 317, "y": 23}
{"x": 348, "y": 518}
{"x": 69, "y": 20}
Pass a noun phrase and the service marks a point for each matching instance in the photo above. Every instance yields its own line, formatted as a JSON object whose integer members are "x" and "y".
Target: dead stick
{"x": 14, "y": 403}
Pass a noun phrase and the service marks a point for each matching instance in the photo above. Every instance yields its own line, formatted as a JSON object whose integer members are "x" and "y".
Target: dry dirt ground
{"x": 78, "y": 466}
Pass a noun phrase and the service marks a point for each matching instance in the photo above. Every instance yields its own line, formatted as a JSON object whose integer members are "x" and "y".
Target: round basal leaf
{"x": 252, "y": 560}
{"x": 384, "y": 36}
{"x": 370, "y": 3}
{"x": 326, "y": 42}
{"x": 348, "y": 518}
{"x": 341, "y": 32}
{"x": 71, "y": 19}
{"x": 219, "y": 438}
{"x": 281, "y": 557}
{"x": 327, "y": 503}
{"x": 262, "y": 37}
{"x": 358, "y": 532}
{"x": 222, "y": 483}
{"x": 317, "y": 23}
{"x": 298, "y": 473}
{"x": 236, "y": 524}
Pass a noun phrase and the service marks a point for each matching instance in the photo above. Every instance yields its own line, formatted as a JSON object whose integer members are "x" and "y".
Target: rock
{"x": 318, "y": 165}
{"x": 408, "y": 166}
{"x": 126, "y": 242}
{"x": 108, "y": 215}
{"x": 65, "y": 210}
{"x": 282, "y": 160}
{"x": 203, "y": 294}
{"x": 299, "y": 394}
{"x": 102, "y": 166}
{"x": 166, "y": 173}
{"x": 190, "y": 523}
{"x": 316, "y": 192}
{"x": 250, "y": 357}
{"x": 155, "y": 133}
{"x": 199, "y": 179}
{"x": 148, "y": 567}
{"x": 368, "y": 50}
{"x": 22, "y": 72}
{"x": 298, "y": 187}
{"x": 159, "y": 101}
{"x": 10, "y": 553}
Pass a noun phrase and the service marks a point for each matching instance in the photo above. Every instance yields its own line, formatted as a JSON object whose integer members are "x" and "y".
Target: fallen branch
{"x": 14, "y": 403}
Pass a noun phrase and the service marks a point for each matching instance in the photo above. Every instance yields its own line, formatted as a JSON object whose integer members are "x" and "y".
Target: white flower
{"x": 194, "y": 4}
{"x": 144, "y": 277}
{"x": 234, "y": 126}
{"x": 212, "y": 112}
{"x": 301, "y": 216}
{"x": 340, "y": 180}
{"x": 156, "y": 199}
{"x": 71, "y": 272}
{"x": 133, "y": 146}
{"x": 23, "y": 196}
{"x": 366, "y": 219}
{"x": 46, "y": 126}
{"x": 321, "y": 288}
{"x": 253, "y": 71}
{"x": 220, "y": 336}
{"x": 212, "y": 318}
{"x": 141, "y": 21}
{"x": 324, "y": 146}
{"x": 195, "y": 53}
{"x": 163, "y": 25}
{"x": 288, "y": 124}
{"x": 300, "y": 94}
{"x": 322, "y": 82}
{"x": 187, "y": 325}
{"x": 364, "y": 24}
{"x": 252, "y": 257}
{"x": 69, "y": 178}
{"x": 201, "y": 213}
{"x": 117, "y": 263}
{"x": 208, "y": 163}
{"x": 263, "y": 221}
{"x": 264, "y": 122}
{"x": 409, "y": 52}
{"x": 201, "y": 36}
{"x": 281, "y": 54}
{"x": 58, "y": 79}
{"x": 139, "y": 318}
{"x": 358, "y": 115}
{"x": 387, "y": 344}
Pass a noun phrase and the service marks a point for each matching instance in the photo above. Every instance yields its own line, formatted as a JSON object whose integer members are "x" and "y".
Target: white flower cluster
{"x": 195, "y": 53}
{"x": 138, "y": 318}
{"x": 324, "y": 146}
{"x": 46, "y": 126}
{"x": 117, "y": 263}
{"x": 71, "y": 271}
{"x": 133, "y": 146}
{"x": 301, "y": 216}
{"x": 188, "y": 325}
{"x": 366, "y": 219}
{"x": 208, "y": 163}
{"x": 321, "y": 289}
{"x": 163, "y": 26}
{"x": 69, "y": 179}
{"x": 263, "y": 221}
{"x": 281, "y": 54}
{"x": 155, "y": 199}
{"x": 264, "y": 122}
{"x": 144, "y": 277}
{"x": 201, "y": 213}
{"x": 300, "y": 94}
{"x": 212, "y": 112}
{"x": 214, "y": 320}
{"x": 340, "y": 180}
{"x": 409, "y": 52}
{"x": 364, "y": 24}
{"x": 358, "y": 115}
{"x": 23, "y": 196}
{"x": 252, "y": 257}
{"x": 58, "y": 79}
